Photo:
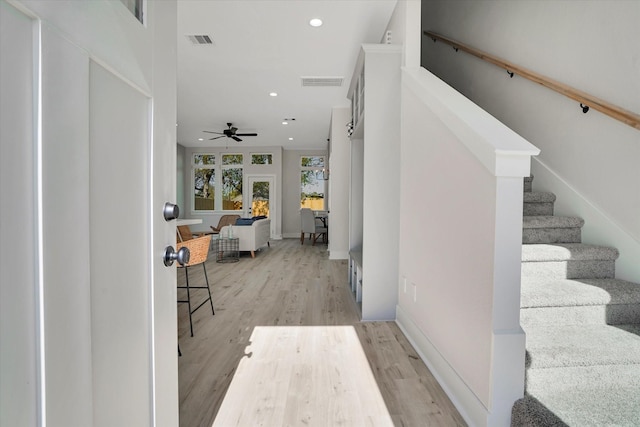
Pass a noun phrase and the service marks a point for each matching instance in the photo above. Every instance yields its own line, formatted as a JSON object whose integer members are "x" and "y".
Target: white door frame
{"x": 273, "y": 206}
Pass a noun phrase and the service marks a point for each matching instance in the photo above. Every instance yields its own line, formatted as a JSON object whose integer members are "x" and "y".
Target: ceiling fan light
{"x": 315, "y": 22}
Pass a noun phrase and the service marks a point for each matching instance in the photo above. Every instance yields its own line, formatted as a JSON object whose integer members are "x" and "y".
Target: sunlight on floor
{"x": 303, "y": 375}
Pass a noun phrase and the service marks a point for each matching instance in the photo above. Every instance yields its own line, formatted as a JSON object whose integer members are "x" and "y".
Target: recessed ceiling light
{"x": 290, "y": 139}
{"x": 273, "y": 94}
{"x": 200, "y": 139}
{"x": 285, "y": 123}
{"x": 315, "y": 22}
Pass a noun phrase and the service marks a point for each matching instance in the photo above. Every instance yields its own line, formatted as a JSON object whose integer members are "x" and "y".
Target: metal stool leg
{"x": 186, "y": 272}
{"x": 208, "y": 289}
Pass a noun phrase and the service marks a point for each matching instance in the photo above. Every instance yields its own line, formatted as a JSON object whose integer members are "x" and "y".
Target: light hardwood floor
{"x": 290, "y": 284}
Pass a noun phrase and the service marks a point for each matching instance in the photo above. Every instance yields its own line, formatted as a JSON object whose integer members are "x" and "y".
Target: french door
{"x": 262, "y": 198}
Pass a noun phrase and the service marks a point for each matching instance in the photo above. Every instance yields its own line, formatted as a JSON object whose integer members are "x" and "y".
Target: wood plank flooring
{"x": 290, "y": 284}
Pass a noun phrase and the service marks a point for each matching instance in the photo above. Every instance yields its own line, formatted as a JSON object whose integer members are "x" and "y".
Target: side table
{"x": 227, "y": 249}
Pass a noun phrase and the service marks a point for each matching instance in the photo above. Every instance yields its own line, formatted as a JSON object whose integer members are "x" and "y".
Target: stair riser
{"x": 616, "y": 314}
{"x": 592, "y": 269}
{"x": 537, "y": 209}
{"x": 570, "y": 378}
{"x": 551, "y": 235}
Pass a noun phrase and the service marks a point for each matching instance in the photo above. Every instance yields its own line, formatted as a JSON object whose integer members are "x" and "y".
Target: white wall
{"x": 590, "y": 45}
{"x": 181, "y": 177}
{"x": 460, "y": 245}
{"x": 211, "y": 218}
{"x": 339, "y": 184}
{"x": 405, "y": 30}
{"x": 19, "y": 269}
{"x": 286, "y": 167}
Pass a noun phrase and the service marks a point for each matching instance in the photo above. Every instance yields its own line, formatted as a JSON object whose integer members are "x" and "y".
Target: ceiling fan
{"x": 230, "y": 133}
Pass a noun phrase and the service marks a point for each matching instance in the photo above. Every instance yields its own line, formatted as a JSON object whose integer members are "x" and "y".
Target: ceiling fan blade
{"x": 236, "y": 138}
{"x": 210, "y": 131}
{"x": 246, "y": 134}
{"x": 211, "y": 139}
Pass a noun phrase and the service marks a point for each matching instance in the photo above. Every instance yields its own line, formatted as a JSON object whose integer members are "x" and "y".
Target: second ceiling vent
{"x": 322, "y": 81}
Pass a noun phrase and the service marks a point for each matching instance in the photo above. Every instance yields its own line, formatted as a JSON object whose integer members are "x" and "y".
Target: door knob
{"x": 170, "y": 255}
{"x": 170, "y": 211}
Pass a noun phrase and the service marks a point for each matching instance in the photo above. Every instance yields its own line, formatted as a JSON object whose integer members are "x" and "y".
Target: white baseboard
{"x": 338, "y": 254}
{"x": 469, "y": 406}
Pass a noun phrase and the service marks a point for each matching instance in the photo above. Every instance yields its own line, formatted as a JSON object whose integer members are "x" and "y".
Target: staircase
{"x": 582, "y": 326}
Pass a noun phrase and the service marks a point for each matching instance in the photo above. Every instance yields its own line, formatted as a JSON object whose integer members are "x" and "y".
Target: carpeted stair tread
{"x": 580, "y": 407}
{"x": 538, "y": 197}
{"x": 550, "y": 221}
{"x": 578, "y": 345}
{"x": 567, "y": 252}
{"x": 582, "y": 326}
{"x": 577, "y": 292}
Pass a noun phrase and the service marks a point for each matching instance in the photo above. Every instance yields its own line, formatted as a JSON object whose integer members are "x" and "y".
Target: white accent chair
{"x": 250, "y": 237}
{"x": 308, "y": 225}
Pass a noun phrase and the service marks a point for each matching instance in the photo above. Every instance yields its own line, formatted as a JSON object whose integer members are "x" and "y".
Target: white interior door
{"x": 88, "y": 160}
{"x": 262, "y": 198}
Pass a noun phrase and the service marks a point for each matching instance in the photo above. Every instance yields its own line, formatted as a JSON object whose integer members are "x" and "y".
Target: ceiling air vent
{"x": 322, "y": 81}
{"x": 200, "y": 39}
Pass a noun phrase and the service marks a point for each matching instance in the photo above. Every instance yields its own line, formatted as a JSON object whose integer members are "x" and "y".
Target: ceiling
{"x": 264, "y": 46}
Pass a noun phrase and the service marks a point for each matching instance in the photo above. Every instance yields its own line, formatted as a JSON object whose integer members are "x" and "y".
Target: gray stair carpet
{"x": 582, "y": 326}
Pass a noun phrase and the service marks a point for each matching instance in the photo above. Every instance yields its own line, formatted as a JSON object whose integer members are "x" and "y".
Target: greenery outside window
{"x": 261, "y": 159}
{"x": 312, "y": 184}
{"x": 204, "y": 182}
{"x": 232, "y": 182}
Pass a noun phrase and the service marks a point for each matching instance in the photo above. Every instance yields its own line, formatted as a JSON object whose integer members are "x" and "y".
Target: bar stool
{"x": 199, "y": 249}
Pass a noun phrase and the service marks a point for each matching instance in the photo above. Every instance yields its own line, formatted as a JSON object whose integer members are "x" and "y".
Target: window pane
{"x": 232, "y": 159}
{"x": 260, "y": 202}
{"x": 204, "y": 159}
{"x": 204, "y": 189}
{"x": 312, "y": 161}
{"x": 135, "y": 7}
{"x": 232, "y": 189}
{"x": 312, "y": 190}
{"x": 261, "y": 159}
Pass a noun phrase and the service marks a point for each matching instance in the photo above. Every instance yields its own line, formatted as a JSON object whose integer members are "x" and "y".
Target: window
{"x": 261, "y": 159}
{"x": 232, "y": 182}
{"x": 135, "y": 7}
{"x": 312, "y": 182}
{"x": 204, "y": 182}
